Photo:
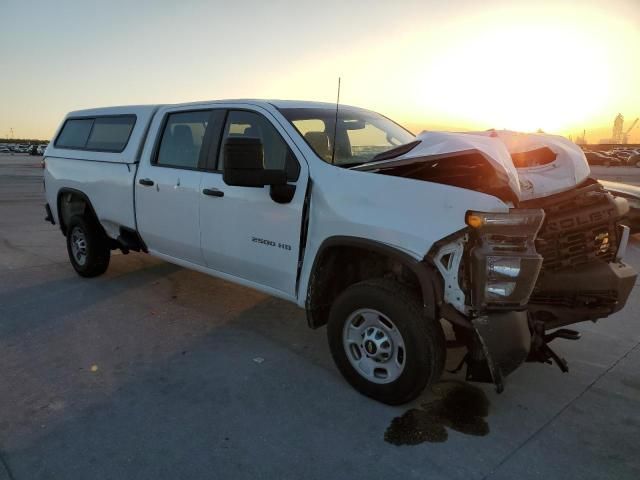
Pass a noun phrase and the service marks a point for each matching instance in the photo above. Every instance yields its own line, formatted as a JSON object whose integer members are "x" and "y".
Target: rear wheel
{"x": 382, "y": 342}
{"x": 88, "y": 247}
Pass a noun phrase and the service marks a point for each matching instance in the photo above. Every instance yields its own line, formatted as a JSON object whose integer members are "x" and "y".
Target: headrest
{"x": 319, "y": 141}
{"x": 182, "y": 135}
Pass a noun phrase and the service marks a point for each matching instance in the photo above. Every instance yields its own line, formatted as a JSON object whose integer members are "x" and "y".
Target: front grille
{"x": 578, "y": 231}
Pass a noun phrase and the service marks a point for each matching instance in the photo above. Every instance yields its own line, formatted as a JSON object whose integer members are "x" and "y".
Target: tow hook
{"x": 542, "y": 352}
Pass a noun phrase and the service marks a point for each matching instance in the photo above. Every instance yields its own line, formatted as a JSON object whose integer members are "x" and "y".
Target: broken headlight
{"x": 504, "y": 262}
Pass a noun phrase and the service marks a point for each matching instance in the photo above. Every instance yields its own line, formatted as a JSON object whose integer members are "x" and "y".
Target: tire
{"x": 96, "y": 252}
{"x": 419, "y": 348}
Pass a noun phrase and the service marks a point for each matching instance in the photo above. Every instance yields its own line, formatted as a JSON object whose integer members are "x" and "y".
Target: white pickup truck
{"x": 377, "y": 233}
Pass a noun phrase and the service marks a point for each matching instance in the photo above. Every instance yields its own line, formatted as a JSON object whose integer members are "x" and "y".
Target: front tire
{"x": 88, "y": 247}
{"x": 382, "y": 342}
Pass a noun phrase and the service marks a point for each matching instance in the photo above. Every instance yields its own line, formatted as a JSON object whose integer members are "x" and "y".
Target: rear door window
{"x": 182, "y": 139}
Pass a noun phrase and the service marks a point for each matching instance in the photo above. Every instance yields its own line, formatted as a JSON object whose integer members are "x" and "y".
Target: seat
{"x": 183, "y": 147}
{"x": 319, "y": 141}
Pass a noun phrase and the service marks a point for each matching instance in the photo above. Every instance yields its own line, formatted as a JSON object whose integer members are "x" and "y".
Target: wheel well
{"x": 339, "y": 266}
{"x": 73, "y": 202}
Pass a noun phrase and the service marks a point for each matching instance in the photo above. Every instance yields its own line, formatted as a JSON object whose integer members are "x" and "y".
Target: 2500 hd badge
{"x": 271, "y": 243}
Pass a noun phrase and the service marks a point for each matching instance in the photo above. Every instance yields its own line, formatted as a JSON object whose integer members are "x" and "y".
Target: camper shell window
{"x": 109, "y": 133}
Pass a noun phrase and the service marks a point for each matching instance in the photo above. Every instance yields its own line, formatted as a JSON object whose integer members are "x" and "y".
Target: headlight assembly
{"x": 505, "y": 264}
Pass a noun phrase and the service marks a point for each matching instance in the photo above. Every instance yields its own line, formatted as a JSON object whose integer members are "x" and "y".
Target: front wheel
{"x": 382, "y": 342}
{"x": 87, "y": 246}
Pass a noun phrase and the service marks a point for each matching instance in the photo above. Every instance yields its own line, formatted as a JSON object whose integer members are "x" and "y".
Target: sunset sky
{"x": 557, "y": 65}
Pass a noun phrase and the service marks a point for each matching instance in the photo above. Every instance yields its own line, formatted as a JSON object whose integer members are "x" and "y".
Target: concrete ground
{"x": 617, "y": 174}
{"x": 156, "y": 372}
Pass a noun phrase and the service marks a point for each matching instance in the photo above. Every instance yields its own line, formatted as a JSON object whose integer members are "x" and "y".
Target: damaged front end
{"x": 497, "y": 270}
{"x": 512, "y": 278}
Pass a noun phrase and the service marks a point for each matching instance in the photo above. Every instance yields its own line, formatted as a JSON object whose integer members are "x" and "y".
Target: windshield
{"x": 360, "y": 135}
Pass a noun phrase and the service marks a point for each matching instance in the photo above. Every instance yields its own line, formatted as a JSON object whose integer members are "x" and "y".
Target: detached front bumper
{"x": 505, "y": 342}
{"x": 585, "y": 292}
{"x": 574, "y": 274}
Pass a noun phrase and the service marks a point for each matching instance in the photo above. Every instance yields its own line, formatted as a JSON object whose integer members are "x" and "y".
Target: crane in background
{"x": 625, "y": 135}
{"x": 616, "y": 135}
{"x": 619, "y": 136}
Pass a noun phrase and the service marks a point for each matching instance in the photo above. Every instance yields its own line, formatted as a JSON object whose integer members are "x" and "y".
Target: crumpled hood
{"x": 544, "y": 164}
{"x": 569, "y": 168}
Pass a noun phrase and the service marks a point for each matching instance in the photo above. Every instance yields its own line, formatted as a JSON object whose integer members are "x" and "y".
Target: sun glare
{"x": 519, "y": 78}
{"x": 557, "y": 68}
{"x": 520, "y": 75}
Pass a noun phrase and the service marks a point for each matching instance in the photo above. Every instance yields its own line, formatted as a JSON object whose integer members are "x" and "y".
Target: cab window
{"x": 277, "y": 155}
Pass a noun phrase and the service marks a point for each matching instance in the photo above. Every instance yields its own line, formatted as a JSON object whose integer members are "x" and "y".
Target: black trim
{"x": 82, "y": 195}
{"x": 49, "y": 217}
{"x": 304, "y": 230}
{"x": 213, "y": 192}
{"x": 94, "y": 118}
{"x": 426, "y": 275}
{"x": 212, "y": 139}
{"x": 213, "y": 154}
{"x": 130, "y": 239}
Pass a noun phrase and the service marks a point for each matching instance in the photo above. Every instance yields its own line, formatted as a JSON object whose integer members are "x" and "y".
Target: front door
{"x": 244, "y": 232}
{"x": 168, "y": 188}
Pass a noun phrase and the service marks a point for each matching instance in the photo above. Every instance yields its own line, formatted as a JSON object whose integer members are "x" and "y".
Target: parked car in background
{"x": 4, "y": 149}
{"x": 602, "y": 158}
{"x": 42, "y": 148}
{"x": 632, "y": 194}
{"x": 634, "y": 160}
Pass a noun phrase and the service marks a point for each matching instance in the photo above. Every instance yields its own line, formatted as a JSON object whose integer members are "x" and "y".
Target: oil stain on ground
{"x": 458, "y": 406}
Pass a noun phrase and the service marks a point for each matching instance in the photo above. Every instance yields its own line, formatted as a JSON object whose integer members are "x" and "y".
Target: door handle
{"x": 213, "y": 192}
{"x": 146, "y": 182}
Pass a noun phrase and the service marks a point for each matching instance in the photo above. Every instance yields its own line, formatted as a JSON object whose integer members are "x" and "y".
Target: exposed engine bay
{"x": 510, "y": 165}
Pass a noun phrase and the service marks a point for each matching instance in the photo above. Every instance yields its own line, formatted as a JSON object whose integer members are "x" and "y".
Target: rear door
{"x": 244, "y": 232}
{"x": 168, "y": 187}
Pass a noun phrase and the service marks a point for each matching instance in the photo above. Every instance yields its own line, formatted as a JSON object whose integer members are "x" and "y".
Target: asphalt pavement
{"x": 155, "y": 372}
{"x": 617, "y": 174}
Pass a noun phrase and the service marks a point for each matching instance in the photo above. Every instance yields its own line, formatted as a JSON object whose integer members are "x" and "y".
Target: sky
{"x": 562, "y": 66}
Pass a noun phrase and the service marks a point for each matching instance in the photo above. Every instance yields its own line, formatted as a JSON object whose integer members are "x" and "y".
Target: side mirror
{"x": 244, "y": 164}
